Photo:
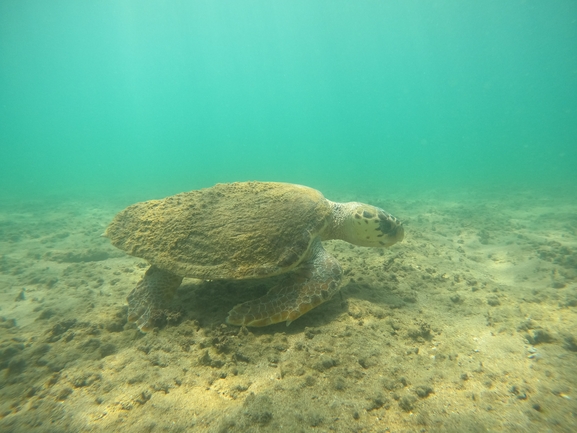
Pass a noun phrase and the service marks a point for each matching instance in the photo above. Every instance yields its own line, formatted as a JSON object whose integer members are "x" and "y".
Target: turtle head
{"x": 365, "y": 225}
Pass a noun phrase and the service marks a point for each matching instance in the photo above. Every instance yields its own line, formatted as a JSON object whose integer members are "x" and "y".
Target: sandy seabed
{"x": 468, "y": 325}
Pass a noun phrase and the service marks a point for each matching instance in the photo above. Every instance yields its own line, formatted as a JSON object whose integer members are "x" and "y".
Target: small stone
{"x": 46, "y": 314}
{"x": 325, "y": 363}
{"x": 107, "y": 349}
{"x": 423, "y": 391}
{"x": 340, "y": 384}
{"x": 407, "y": 403}
{"x": 310, "y": 381}
{"x": 64, "y": 393}
{"x": 258, "y": 409}
{"x": 16, "y": 365}
{"x": 456, "y": 299}
{"x": 570, "y": 343}
{"x": 143, "y": 397}
{"x": 493, "y": 301}
{"x": 539, "y": 336}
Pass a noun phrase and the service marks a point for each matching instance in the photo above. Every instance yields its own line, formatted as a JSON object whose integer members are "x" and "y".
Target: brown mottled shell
{"x": 235, "y": 230}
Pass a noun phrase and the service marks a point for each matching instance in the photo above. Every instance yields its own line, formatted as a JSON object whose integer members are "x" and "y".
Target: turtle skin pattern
{"x": 299, "y": 291}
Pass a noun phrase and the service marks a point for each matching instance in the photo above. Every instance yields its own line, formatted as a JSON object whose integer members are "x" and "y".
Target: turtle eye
{"x": 385, "y": 225}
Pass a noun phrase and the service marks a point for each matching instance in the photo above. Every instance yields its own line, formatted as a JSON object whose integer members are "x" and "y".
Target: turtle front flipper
{"x": 315, "y": 281}
{"x": 150, "y": 294}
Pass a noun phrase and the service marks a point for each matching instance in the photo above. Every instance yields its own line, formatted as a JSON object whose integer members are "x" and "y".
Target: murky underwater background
{"x": 459, "y": 117}
{"x": 157, "y": 97}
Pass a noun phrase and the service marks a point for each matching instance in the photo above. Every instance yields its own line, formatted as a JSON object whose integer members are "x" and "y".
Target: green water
{"x": 99, "y": 97}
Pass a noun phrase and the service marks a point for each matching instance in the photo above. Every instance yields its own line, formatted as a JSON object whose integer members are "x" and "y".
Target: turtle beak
{"x": 392, "y": 228}
{"x": 398, "y": 233}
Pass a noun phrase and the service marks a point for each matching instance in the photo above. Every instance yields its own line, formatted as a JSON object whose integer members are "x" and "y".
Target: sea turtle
{"x": 245, "y": 230}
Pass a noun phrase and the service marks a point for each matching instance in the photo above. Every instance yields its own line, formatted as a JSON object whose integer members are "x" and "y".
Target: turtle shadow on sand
{"x": 209, "y": 302}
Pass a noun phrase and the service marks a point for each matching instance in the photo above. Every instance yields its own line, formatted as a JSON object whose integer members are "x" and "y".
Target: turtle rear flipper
{"x": 150, "y": 294}
{"x": 314, "y": 282}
